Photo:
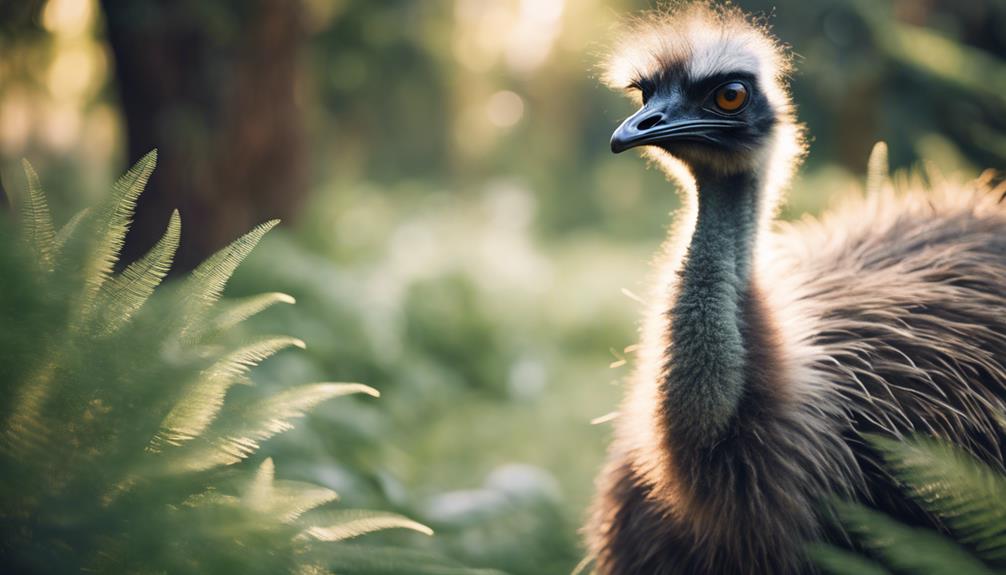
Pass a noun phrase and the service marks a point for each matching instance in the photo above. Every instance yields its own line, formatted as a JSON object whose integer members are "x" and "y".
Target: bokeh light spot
{"x": 505, "y": 108}
{"x": 67, "y": 17}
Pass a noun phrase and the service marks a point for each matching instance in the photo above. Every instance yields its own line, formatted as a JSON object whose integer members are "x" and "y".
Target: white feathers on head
{"x": 703, "y": 38}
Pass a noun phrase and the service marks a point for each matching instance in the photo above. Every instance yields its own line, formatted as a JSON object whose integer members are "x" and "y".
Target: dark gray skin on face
{"x": 680, "y": 116}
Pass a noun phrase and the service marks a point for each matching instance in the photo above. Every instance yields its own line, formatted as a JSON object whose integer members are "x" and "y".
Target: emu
{"x": 771, "y": 349}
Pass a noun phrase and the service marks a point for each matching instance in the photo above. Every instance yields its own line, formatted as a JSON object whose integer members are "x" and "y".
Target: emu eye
{"x": 731, "y": 97}
{"x": 642, "y": 87}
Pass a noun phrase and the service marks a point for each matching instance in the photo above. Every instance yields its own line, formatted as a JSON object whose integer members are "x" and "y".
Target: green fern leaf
{"x": 357, "y": 559}
{"x": 83, "y": 494}
{"x": 272, "y": 415}
{"x": 244, "y": 358}
{"x": 291, "y": 499}
{"x": 260, "y": 489}
{"x": 237, "y": 311}
{"x": 113, "y": 220}
{"x": 27, "y": 428}
{"x": 197, "y": 409}
{"x": 211, "y": 497}
{"x": 841, "y": 562}
{"x": 238, "y": 434}
{"x": 36, "y": 221}
{"x": 207, "y": 281}
{"x": 343, "y": 525}
{"x": 877, "y": 170}
{"x": 907, "y": 549}
{"x": 283, "y": 500}
{"x": 67, "y": 231}
{"x": 121, "y": 297}
{"x": 952, "y": 484}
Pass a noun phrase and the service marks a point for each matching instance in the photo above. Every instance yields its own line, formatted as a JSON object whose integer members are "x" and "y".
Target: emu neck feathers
{"x": 705, "y": 374}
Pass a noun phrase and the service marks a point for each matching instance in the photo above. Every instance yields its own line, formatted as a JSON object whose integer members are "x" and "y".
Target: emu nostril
{"x": 650, "y": 122}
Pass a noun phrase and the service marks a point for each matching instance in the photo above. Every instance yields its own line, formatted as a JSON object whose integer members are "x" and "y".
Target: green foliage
{"x": 968, "y": 497}
{"x": 37, "y": 226}
{"x": 492, "y": 353}
{"x": 479, "y": 373}
{"x": 121, "y": 436}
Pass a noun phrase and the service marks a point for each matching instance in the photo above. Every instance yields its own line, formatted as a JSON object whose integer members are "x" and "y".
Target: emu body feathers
{"x": 771, "y": 351}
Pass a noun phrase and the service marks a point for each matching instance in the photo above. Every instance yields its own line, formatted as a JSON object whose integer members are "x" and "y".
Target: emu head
{"x": 711, "y": 86}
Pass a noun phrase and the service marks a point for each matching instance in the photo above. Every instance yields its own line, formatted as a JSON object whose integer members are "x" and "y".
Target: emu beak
{"x": 655, "y": 123}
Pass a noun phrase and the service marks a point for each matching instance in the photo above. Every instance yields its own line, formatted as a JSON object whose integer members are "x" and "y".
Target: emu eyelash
{"x": 644, "y": 87}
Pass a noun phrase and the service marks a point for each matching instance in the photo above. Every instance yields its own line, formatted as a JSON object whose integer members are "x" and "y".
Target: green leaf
{"x": 952, "y": 484}
{"x": 841, "y": 562}
{"x": 272, "y": 415}
{"x": 121, "y": 297}
{"x": 291, "y": 499}
{"x": 86, "y": 490}
{"x": 27, "y": 428}
{"x": 357, "y": 559}
{"x": 113, "y": 220}
{"x": 197, "y": 408}
{"x": 972, "y": 69}
{"x": 283, "y": 500}
{"x": 36, "y": 221}
{"x": 68, "y": 229}
{"x": 343, "y": 525}
{"x": 207, "y": 281}
{"x": 240, "y": 428}
{"x": 260, "y": 490}
{"x": 918, "y": 551}
{"x": 237, "y": 311}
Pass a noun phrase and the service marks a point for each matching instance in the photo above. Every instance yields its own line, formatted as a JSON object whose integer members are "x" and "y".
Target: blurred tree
{"x": 18, "y": 19}
{"x": 213, "y": 86}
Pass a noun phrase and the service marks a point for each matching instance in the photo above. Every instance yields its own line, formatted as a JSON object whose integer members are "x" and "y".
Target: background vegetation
{"x": 456, "y": 232}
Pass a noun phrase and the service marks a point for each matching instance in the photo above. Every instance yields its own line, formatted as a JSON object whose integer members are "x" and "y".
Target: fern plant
{"x": 967, "y": 495}
{"x": 126, "y": 413}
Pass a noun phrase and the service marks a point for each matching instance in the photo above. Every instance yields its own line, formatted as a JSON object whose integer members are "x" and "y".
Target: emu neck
{"x": 705, "y": 374}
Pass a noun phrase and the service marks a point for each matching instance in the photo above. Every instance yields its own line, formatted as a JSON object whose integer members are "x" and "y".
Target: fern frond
{"x": 113, "y": 220}
{"x": 259, "y": 491}
{"x": 283, "y": 500}
{"x": 272, "y": 415}
{"x": 358, "y": 559}
{"x": 950, "y": 483}
{"x": 69, "y": 228}
{"x": 121, "y": 297}
{"x": 86, "y": 489}
{"x": 27, "y": 428}
{"x": 197, "y": 409}
{"x": 877, "y": 169}
{"x": 207, "y": 281}
{"x": 291, "y": 499}
{"x": 841, "y": 562}
{"x": 210, "y": 497}
{"x": 246, "y": 426}
{"x": 36, "y": 221}
{"x": 347, "y": 524}
{"x": 908, "y": 549}
{"x": 239, "y": 310}
{"x": 244, "y": 358}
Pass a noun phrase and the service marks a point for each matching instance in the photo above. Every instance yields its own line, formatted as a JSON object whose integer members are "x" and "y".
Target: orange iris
{"x": 730, "y": 97}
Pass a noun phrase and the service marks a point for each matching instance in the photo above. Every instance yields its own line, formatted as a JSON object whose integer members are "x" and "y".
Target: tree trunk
{"x": 213, "y": 86}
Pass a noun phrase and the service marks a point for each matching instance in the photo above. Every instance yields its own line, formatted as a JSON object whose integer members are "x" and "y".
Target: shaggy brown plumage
{"x": 887, "y": 315}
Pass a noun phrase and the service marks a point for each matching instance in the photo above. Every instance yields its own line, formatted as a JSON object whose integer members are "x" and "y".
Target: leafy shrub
{"x": 127, "y": 415}
{"x": 968, "y": 496}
